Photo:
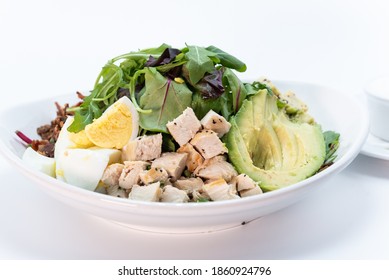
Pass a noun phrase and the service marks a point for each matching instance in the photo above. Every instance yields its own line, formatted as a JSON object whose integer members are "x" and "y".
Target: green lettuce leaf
{"x": 165, "y": 98}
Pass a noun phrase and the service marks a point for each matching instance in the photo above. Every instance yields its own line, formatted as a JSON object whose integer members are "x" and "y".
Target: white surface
{"x": 49, "y": 48}
{"x": 181, "y": 218}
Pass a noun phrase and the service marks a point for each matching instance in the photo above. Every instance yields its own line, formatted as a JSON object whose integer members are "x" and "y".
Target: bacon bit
{"x": 80, "y": 95}
{"x": 43, "y": 147}
{"x": 51, "y": 131}
{"x": 23, "y": 137}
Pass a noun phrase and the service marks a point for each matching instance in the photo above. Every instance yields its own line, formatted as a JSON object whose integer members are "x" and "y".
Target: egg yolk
{"x": 113, "y": 129}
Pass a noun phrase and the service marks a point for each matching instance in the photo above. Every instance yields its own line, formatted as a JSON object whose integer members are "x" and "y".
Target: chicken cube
{"x": 193, "y": 187}
{"x": 214, "y": 121}
{"x": 116, "y": 191}
{"x": 150, "y": 192}
{"x": 250, "y": 192}
{"x": 147, "y": 147}
{"x": 219, "y": 190}
{"x": 233, "y": 186}
{"x": 200, "y": 196}
{"x": 184, "y": 127}
{"x": 194, "y": 159}
{"x": 112, "y": 174}
{"x": 244, "y": 182}
{"x": 172, "y": 194}
{"x": 153, "y": 175}
{"x": 173, "y": 163}
{"x": 216, "y": 168}
{"x": 131, "y": 173}
{"x": 208, "y": 144}
{"x": 189, "y": 184}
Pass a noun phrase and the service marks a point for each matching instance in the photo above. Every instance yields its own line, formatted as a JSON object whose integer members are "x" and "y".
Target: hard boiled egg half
{"x": 77, "y": 165}
{"x": 82, "y": 157}
{"x": 85, "y": 167}
{"x": 39, "y": 162}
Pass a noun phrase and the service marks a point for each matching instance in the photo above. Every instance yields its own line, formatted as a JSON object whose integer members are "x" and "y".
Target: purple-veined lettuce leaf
{"x": 166, "y": 98}
{"x": 211, "y": 85}
{"x": 168, "y": 55}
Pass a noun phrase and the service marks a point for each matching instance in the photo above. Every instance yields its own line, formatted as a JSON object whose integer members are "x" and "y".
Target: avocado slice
{"x": 272, "y": 148}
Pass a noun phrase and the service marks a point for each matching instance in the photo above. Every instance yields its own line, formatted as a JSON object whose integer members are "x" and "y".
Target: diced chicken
{"x": 189, "y": 184}
{"x": 216, "y": 168}
{"x": 172, "y": 194}
{"x": 200, "y": 196}
{"x": 116, "y": 191}
{"x": 154, "y": 175}
{"x": 250, "y": 192}
{"x": 244, "y": 182}
{"x": 193, "y": 187}
{"x": 184, "y": 127}
{"x": 147, "y": 147}
{"x": 150, "y": 192}
{"x": 246, "y": 186}
{"x": 131, "y": 173}
{"x": 173, "y": 163}
{"x": 112, "y": 174}
{"x": 233, "y": 186}
{"x": 214, "y": 121}
{"x": 220, "y": 190}
{"x": 208, "y": 144}
{"x": 194, "y": 159}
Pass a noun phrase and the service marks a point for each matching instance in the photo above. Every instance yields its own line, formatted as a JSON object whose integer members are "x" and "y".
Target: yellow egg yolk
{"x": 80, "y": 139}
{"x": 113, "y": 129}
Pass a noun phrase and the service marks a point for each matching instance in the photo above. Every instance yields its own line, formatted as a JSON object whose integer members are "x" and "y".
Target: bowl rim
{"x": 104, "y": 200}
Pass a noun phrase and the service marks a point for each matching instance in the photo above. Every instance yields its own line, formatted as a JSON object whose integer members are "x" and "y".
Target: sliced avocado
{"x": 268, "y": 146}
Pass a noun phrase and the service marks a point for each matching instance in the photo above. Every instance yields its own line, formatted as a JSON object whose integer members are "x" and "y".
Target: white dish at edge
{"x": 376, "y": 148}
{"x": 334, "y": 110}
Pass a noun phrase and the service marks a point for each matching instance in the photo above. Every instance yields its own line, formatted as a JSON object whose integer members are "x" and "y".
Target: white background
{"x": 53, "y": 47}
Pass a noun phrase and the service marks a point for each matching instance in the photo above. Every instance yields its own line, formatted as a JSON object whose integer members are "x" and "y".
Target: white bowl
{"x": 332, "y": 109}
{"x": 377, "y": 92}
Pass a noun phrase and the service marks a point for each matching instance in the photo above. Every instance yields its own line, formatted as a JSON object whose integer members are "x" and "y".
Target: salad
{"x": 178, "y": 125}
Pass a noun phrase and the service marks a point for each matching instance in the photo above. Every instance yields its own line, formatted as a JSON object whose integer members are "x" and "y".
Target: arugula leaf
{"x": 130, "y": 66}
{"x": 227, "y": 60}
{"x": 145, "y": 53}
{"x": 331, "y": 140}
{"x": 165, "y": 98}
{"x": 102, "y": 96}
{"x": 198, "y": 64}
{"x": 81, "y": 119}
